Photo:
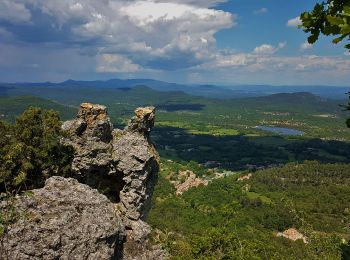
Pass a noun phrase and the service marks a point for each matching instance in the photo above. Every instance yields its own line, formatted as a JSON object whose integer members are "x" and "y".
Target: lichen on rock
{"x": 64, "y": 220}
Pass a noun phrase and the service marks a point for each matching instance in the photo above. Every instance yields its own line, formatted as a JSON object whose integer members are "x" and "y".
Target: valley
{"x": 227, "y": 188}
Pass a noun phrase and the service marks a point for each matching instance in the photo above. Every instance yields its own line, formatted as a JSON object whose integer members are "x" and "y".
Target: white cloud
{"x": 305, "y": 46}
{"x": 267, "y": 49}
{"x": 295, "y": 22}
{"x": 14, "y": 11}
{"x": 263, "y": 10}
{"x": 149, "y": 12}
{"x": 143, "y": 31}
{"x": 200, "y": 3}
{"x": 113, "y": 63}
{"x": 253, "y": 62}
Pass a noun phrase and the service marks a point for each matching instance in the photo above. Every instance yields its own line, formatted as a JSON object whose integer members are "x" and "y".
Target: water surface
{"x": 280, "y": 130}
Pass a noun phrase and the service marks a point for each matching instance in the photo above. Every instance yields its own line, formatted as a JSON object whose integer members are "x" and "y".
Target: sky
{"x": 194, "y": 42}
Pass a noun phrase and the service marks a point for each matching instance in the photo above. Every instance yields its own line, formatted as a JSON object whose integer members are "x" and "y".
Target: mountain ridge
{"x": 203, "y": 90}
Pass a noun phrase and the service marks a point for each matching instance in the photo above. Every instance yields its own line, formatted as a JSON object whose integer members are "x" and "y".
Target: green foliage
{"x": 31, "y": 152}
{"x": 331, "y": 17}
{"x": 225, "y": 221}
{"x": 11, "y": 107}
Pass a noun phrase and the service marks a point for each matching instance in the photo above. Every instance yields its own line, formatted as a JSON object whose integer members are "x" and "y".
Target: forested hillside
{"x": 230, "y": 219}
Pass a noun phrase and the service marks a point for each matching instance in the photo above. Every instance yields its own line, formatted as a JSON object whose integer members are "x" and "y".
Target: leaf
{"x": 330, "y": 30}
{"x": 312, "y": 38}
{"x": 336, "y": 40}
{"x": 345, "y": 29}
{"x": 335, "y": 20}
{"x": 346, "y": 10}
{"x": 20, "y": 178}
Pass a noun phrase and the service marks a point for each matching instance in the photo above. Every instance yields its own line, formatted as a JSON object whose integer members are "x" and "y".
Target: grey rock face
{"x": 136, "y": 158}
{"x": 122, "y": 163}
{"x": 65, "y": 220}
{"x": 90, "y": 135}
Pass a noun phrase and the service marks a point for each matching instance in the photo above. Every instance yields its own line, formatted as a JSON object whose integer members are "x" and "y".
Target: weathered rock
{"x": 64, "y": 220}
{"x": 189, "y": 180}
{"x": 90, "y": 135}
{"x": 292, "y": 234}
{"x": 137, "y": 247}
{"x": 122, "y": 163}
{"x": 143, "y": 121}
{"x": 136, "y": 157}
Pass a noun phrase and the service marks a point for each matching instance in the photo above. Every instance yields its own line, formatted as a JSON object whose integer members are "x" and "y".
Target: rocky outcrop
{"x": 186, "y": 180}
{"x": 135, "y": 156}
{"x": 245, "y": 177}
{"x": 64, "y": 220}
{"x": 90, "y": 134}
{"x": 292, "y": 234}
{"x": 123, "y": 164}
{"x": 101, "y": 212}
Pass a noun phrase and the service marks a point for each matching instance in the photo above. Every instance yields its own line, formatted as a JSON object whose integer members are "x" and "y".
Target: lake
{"x": 280, "y": 130}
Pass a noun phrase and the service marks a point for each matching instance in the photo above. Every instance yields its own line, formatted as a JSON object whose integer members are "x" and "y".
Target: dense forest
{"x": 229, "y": 219}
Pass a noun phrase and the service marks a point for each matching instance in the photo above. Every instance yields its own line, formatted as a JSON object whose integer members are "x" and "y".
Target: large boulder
{"x": 64, "y": 220}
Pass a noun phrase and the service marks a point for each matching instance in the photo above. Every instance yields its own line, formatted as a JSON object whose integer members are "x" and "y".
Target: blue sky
{"x": 184, "y": 41}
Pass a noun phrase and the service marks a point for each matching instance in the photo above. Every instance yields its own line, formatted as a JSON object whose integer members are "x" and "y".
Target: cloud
{"x": 295, "y": 22}
{"x": 279, "y": 70}
{"x": 255, "y": 62}
{"x": 14, "y": 12}
{"x": 305, "y": 46}
{"x": 150, "y": 33}
{"x": 113, "y": 63}
{"x": 267, "y": 49}
{"x": 263, "y": 10}
{"x": 198, "y": 3}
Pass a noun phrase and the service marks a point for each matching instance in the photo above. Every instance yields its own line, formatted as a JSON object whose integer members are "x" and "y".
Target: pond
{"x": 280, "y": 130}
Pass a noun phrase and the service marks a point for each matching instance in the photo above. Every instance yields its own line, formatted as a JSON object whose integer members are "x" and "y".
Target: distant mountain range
{"x": 213, "y": 91}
